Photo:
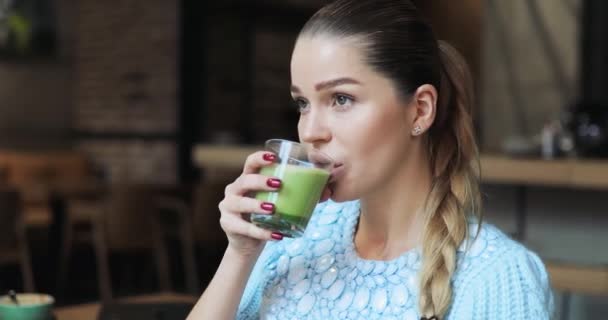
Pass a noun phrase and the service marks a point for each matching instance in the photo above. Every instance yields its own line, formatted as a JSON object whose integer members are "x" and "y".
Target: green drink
{"x": 300, "y": 191}
{"x": 304, "y": 174}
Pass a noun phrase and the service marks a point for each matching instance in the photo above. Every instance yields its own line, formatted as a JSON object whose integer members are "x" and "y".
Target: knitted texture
{"x": 320, "y": 276}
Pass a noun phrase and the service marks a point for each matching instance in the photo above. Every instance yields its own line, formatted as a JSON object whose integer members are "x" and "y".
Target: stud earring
{"x": 417, "y": 130}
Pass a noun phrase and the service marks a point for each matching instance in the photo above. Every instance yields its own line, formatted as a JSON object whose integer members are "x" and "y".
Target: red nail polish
{"x": 273, "y": 183}
{"x": 267, "y": 206}
{"x": 269, "y": 157}
{"x": 276, "y": 236}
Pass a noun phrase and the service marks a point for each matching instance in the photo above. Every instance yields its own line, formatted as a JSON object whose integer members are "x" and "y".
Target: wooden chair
{"x": 14, "y": 247}
{"x": 128, "y": 219}
{"x": 36, "y": 174}
{"x": 206, "y": 216}
{"x": 207, "y": 196}
{"x": 209, "y": 237}
{"x": 184, "y": 231}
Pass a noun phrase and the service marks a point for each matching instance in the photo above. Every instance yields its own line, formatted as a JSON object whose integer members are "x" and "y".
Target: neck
{"x": 392, "y": 220}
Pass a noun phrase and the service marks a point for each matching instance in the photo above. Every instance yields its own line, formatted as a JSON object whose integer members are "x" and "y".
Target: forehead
{"x": 320, "y": 58}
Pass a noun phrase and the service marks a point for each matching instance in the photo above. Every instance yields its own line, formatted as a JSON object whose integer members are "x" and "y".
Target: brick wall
{"x": 34, "y": 105}
{"x": 126, "y": 55}
{"x": 112, "y": 85}
{"x": 35, "y": 94}
{"x": 133, "y": 160}
{"x": 126, "y": 87}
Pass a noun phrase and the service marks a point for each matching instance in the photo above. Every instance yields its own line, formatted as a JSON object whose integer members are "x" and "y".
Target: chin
{"x": 335, "y": 198}
{"x": 341, "y": 194}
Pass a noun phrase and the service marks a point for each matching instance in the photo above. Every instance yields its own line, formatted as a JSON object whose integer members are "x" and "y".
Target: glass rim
{"x": 302, "y": 145}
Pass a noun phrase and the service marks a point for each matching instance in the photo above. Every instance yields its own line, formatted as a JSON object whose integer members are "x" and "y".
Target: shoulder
{"x": 495, "y": 269}
{"x": 490, "y": 250}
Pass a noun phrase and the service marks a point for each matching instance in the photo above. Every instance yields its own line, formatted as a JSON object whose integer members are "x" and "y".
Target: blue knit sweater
{"x": 320, "y": 276}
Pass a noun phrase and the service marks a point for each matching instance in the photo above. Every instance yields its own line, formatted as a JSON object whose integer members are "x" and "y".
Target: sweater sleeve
{"x": 251, "y": 302}
{"x": 514, "y": 286}
{"x": 252, "y": 296}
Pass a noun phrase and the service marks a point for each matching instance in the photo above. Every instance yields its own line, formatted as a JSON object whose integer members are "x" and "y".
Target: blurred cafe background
{"x": 121, "y": 122}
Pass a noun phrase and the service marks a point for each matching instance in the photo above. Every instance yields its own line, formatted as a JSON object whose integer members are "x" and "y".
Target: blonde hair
{"x": 454, "y": 195}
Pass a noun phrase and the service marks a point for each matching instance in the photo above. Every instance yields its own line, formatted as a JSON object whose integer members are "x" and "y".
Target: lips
{"x": 336, "y": 173}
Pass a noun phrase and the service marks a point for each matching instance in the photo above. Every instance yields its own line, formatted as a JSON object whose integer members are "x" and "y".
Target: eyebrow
{"x": 328, "y": 84}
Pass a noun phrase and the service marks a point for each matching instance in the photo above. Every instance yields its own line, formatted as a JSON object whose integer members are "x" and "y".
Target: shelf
{"x": 222, "y": 157}
{"x": 587, "y": 174}
{"x": 591, "y": 280}
{"x": 570, "y": 173}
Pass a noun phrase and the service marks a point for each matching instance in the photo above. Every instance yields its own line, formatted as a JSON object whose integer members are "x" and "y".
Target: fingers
{"x": 252, "y": 182}
{"x": 236, "y": 205}
{"x": 233, "y": 224}
{"x": 257, "y": 160}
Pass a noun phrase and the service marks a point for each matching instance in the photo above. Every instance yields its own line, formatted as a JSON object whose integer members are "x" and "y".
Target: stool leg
{"x": 66, "y": 253}
{"x": 101, "y": 253}
{"x": 188, "y": 249}
{"x": 162, "y": 263}
{"x": 26, "y": 263}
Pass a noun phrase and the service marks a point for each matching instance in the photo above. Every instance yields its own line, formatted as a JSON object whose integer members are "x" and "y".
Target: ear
{"x": 424, "y": 102}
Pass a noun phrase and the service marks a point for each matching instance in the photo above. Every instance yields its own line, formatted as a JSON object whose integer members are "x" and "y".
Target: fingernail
{"x": 267, "y": 206}
{"x": 269, "y": 157}
{"x": 276, "y": 236}
{"x": 273, "y": 183}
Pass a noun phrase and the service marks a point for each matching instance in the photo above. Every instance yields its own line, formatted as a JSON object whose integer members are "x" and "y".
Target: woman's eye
{"x": 342, "y": 100}
{"x": 301, "y": 104}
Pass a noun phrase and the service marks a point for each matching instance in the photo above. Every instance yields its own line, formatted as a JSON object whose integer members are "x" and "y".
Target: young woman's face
{"x": 351, "y": 112}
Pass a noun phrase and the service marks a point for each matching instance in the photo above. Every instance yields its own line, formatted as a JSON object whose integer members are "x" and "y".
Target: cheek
{"x": 375, "y": 144}
{"x": 379, "y": 142}
{"x": 375, "y": 133}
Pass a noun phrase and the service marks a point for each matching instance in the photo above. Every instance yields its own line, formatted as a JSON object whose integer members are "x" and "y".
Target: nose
{"x": 313, "y": 128}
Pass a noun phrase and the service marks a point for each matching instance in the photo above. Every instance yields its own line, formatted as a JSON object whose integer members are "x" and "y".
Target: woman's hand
{"x": 244, "y": 238}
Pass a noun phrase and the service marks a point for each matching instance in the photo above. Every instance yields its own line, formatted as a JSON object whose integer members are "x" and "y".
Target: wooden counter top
{"x": 573, "y": 173}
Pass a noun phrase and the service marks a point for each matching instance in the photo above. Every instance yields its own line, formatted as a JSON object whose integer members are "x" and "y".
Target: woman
{"x": 401, "y": 236}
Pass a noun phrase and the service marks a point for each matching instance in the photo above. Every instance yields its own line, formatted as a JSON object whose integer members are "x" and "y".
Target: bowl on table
{"x": 29, "y": 306}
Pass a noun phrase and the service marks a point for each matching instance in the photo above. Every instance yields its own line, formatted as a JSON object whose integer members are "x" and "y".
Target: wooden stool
{"x": 127, "y": 218}
{"x": 14, "y": 247}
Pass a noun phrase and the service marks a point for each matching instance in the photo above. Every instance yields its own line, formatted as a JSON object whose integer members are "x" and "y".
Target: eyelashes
{"x": 339, "y": 101}
{"x": 342, "y": 101}
{"x": 300, "y": 104}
